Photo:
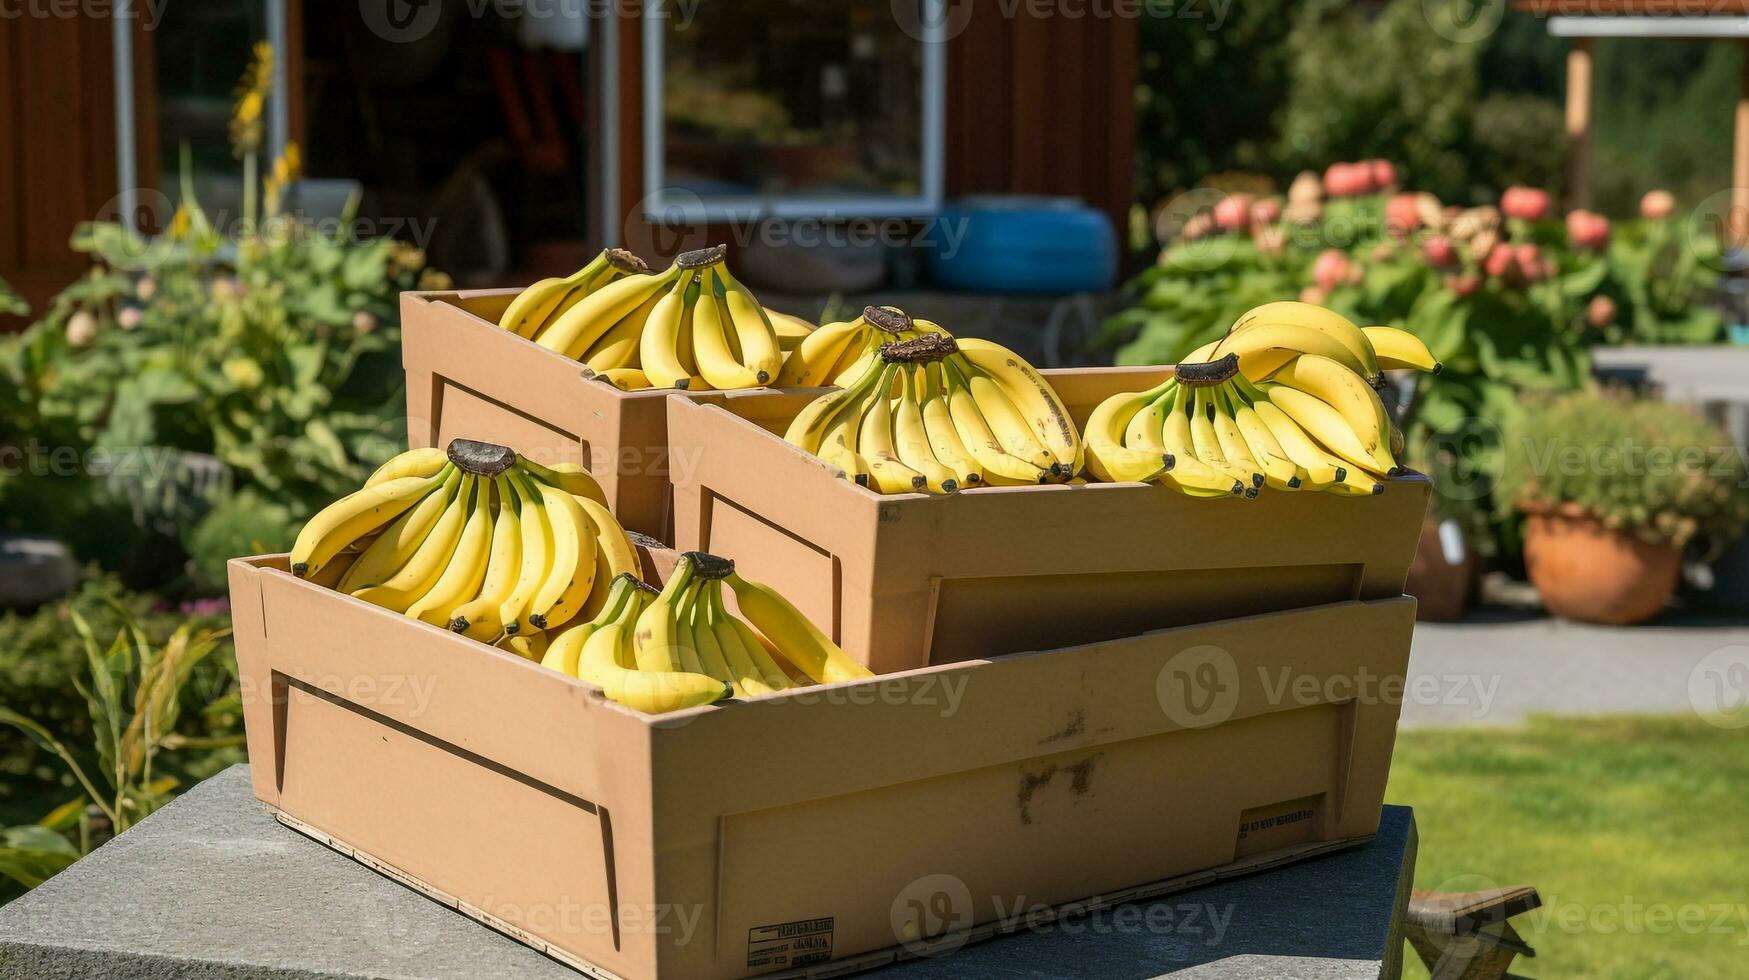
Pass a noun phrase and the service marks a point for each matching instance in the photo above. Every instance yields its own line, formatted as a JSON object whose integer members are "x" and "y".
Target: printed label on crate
{"x": 1279, "y": 825}
{"x": 790, "y": 943}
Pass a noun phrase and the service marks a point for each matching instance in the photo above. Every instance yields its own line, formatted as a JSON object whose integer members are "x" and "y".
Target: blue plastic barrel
{"x": 1015, "y": 244}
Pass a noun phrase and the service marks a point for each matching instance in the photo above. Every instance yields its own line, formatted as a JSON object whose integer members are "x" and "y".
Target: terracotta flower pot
{"x": 1440, "y": 585}
{"x": 1593, "y": 574}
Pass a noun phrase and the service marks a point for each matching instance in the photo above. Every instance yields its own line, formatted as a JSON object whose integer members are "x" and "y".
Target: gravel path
{"x": 1496, "y": 669}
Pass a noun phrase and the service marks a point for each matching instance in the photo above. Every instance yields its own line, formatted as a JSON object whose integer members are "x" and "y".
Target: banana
{"x": 791, "y": 330}
{"x": 603, "y": 662}
{"x": 571, "y": 570}
{"x": 1230, "y": 439}
{"x": 944, "y": 437}
{"x": 1208, "y": 446}
{"x": 999, "y": 466}
{"x": 718, "y": 360}
{"x": 1401, "y": 350}
{"x": 413, "y": 462}
{"x": 754, "y": 338}
{"x": 569, "y": 477}
{"x": 911, "y": 437}
{"x": 1349, "y": 394}
{"x": 1281, "y": 472}
{"x": 657, "y": 640}
{"x": 1108, "y": 457}
{"x": 530, "y": 647}
{"x": 744, "y": 669}
{"x": 480, "y": 618}
{"x": 1326, "y": 321}
{"x": 801, "y": 641}
{"x": 659, "y": 348}
{"x": 707, "y": 649}
{"x": 577, "y": 329}
{"x": 615, "y": 553}
{"x": 759, "y": 652}
{"x": 1011, "y": 429}
{"x": 466, "y": 569}
{"x": 536, "y": 551}
{"x": 428, "y": 562}
{"x": 1190, "y": 473}
{"x": 811, "y": 363}
{"x": 1323, "y": 423}
{"x": 561, "y": 655}
{"x": 535, "y": 306}
{"x": 618, "y": 347}
{"x": 340, "y": 524}
{"x": 397, "y": 544}
{"x": 625, "y": 378}
{"x": 1323, "y": 469}
{"x": 887, "y": 473}
{"x": 1037, "y": 401}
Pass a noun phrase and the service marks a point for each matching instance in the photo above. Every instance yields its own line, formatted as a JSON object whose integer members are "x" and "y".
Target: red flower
{"x": 1233, "y": 212}
{"x": 1657, "y": 205}
{"x": 1588, "y": 229}
{"x": 1402, "y": 214}
{"x": 1348, "y": 179}
{"x": 1463, "y": 285}
{"x": 1439, "y": 252}
{"x": 1266, "y": 211}
{"x": 1525, "y": 203}
{"x": 1384, "y": 174}
{"x": 1330, "y": 269}
{"x": 1499, "y": 261}
{"x": 1530, "y": 262}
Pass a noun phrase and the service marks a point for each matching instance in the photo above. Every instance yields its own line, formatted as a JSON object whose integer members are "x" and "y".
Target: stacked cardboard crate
{"x": 1085, "y": 694}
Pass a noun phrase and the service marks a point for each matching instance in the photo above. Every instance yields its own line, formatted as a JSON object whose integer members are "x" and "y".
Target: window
{"x": 792, "y": 108}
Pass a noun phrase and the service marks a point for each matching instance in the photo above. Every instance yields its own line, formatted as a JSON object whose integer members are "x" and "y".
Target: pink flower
{"x": 1600, "y": 312}
{"x": 1313, "y": 295}
{"x": 1439, "y": 252}
{"x": 1266, "y": 211}
{"x": 1402, "y": 214}
{"x": 1348, "y": 179}
{"x": 1499, "y": 261}
{"x": 1525, "y": 203}
{"x": 1463, "y": 285}
{"x": 1588, "y": 229}
{"x": 129, "y": 317}
{"x": 1233, "y": 212}
{"x": 1383, "y": 173}
{"x": 1530, "y": 262}
{"x": 1657, "y": 205}
{"x": 1330, "y": 269}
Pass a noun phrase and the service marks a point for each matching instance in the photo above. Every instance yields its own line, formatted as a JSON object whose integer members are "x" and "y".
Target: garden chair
{"x": 1467, "y": 935}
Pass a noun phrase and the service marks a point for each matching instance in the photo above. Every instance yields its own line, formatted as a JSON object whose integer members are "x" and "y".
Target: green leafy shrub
{"x": 1641, "y": 466}
{"x": 1518, "y": 139}
{"x": 240, "y": 523}
{"x": 41, "y": 658}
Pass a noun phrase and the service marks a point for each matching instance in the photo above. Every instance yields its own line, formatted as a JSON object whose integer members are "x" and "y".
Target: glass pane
{"x": 793, "y": 98}
{"x": 200, "y": 52}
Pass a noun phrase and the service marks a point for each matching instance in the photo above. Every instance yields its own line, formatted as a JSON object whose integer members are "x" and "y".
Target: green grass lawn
{"x": 1634, "y": 830}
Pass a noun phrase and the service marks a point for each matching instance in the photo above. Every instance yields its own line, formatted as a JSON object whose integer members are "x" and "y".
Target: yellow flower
{"x": 244, "y": 372}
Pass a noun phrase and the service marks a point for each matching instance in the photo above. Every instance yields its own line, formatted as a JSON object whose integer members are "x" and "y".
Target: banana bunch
{"x": 839, "y": 353}
{"x": 476, "y": 540}
{"x": 1266, "y": 413}
{"x": 539, "y": 306}
{"x": 791, "y": 330}
{"x": 659, "y": 651}
{"x": 932, "y": 414}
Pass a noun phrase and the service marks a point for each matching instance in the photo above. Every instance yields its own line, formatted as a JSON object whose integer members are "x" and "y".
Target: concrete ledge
{"x": 213, "y": 888}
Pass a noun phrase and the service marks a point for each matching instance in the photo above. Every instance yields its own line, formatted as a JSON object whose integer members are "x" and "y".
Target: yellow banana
{"x": 625, "y": 378}
{"x": 1349, "y": 394}
{"x": 911, "y": 438}
{"x": 659, "y": 348}
{"x": 658, "y": 640}
{"x": 339, "y": 525}
{"x": 1323, "y": 469}
{"x": 577, "y": 329}
{"x": 536, "y": 552}
{"x": 413, "y": 462}
{"x": 397, "y": 544}
{"x": 1005, "y": 421}
{"x": 569, "y": 477}
{"x": 1401, "y": 350}
{"x": 791, "y": 330}
{"x": 561, "y": 655}
{"x": 1325, "y": 321}
{"x": 1191, "y": 474}
{"x": 1208, "y": 446}
{"x": 618, "y": 347}
{"x": 1036, "y": 400}
{"x": 801, "y": 641}
{"x": 811, "y": 363}
{"x": 535, "y": 306}
{"x": 1108, "y": 457}
{"x": 571, "y": 572}
{"x": 944, "y": 438}
{"x": 711, "y": 343}
{"x": 420, "y": 573}
{"x": 1000, "y": 467}
{"x": 479, "y": 618}
{"x": 466, "y": 570}
{"x": 1323, "y": 423}
{"x": 887, "y": 473}
{"x": 605, "y": 661}
{"x": 533, "y": 646}
{"x": 615, "y": 554}
{"x": 753, "y": 337}
{"x": 1281, "y": 472}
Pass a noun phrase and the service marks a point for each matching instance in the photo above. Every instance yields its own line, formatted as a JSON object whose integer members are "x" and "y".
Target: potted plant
{"x": 1614, "y": 488}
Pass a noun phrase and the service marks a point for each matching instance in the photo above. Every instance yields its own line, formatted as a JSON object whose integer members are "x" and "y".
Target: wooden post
{"x": 1740, "y": 151}
{"x": 1579, "y": 123}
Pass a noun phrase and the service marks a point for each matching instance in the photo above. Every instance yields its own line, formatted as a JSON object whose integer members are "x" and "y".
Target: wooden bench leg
{"x": 1484, "y": 955}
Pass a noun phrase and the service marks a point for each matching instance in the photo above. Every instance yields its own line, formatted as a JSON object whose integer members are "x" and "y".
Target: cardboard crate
{"x": 466, "y": 378}
{"x": 905, "y": 580}
{"x": 819, "y": 830}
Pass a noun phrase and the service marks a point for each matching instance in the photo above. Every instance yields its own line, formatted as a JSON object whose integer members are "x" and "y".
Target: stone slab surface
{"x": 213, "y": 888}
